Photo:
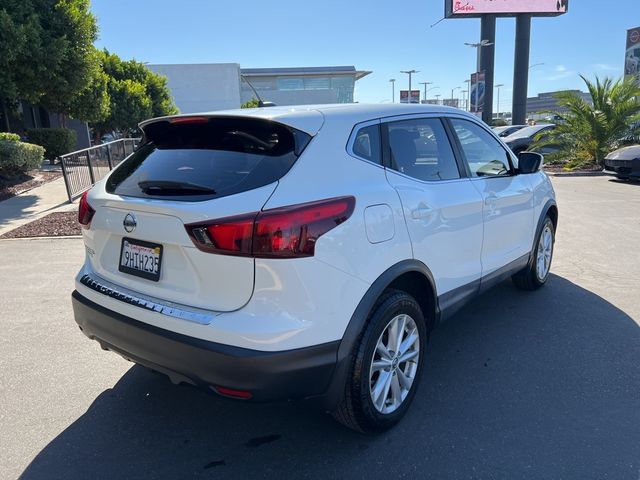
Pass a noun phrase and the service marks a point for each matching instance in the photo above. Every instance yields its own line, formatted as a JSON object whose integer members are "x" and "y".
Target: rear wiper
{"x": 168, "y": 187}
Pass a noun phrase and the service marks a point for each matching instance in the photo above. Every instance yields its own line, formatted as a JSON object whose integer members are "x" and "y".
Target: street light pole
{"x": 425, "y": 88}
{"x": 409, "y": 72}
{"x": 468, "y": 101}
{"x": 453, "y": 90}
{"x": 437, "y": 99}
{"x": 498, "y": 105}
{"x": 393, "y": 90}
{"x": 478, "y": 46}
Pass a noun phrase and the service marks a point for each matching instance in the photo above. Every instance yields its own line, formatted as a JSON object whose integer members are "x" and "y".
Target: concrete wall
{"x": 202, "y": 87}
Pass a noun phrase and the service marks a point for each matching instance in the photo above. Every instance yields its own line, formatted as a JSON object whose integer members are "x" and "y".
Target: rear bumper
{"x": 302, "y": 372}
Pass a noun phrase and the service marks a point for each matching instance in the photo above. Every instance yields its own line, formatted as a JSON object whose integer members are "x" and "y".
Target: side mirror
{"x": 529, "y": 162}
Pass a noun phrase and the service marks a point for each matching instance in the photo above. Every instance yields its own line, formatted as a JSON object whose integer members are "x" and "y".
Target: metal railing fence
{"x": 83, "y": 168}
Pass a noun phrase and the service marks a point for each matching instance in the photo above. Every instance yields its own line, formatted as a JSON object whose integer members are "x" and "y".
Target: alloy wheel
{"x": 394, "y": 364}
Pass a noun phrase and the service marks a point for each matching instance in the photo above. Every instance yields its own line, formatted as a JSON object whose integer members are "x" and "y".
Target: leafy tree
{"x": 45, "y": 52}
{"x": 92, "y": 104}
{"x": 253, "y": 103}
{"x": 135, "y": 93}
{"x": 589, "y": 131}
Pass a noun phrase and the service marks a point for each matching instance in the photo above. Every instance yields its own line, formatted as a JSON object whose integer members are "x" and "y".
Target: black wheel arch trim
{"x": 361, "y": 314}
{"x": 545, "y": 212}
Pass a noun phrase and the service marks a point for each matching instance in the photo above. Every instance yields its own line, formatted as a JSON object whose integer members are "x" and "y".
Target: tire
{"x": 535, "y": 275}
{"x": 357, "y": 409}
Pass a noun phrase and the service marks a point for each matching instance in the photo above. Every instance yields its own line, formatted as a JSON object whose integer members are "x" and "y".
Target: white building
{"x": 219, "y": 86}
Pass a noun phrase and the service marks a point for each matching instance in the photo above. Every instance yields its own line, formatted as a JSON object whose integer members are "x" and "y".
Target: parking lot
{"x": 518, "y": 385}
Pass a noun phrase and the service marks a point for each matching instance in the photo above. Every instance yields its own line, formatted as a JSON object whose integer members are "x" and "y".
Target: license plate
{"x": 140, "y": 258}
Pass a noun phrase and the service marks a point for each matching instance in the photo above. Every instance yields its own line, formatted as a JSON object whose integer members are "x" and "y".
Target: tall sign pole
{"x": 522, "y": 10}
{"x": 487, "y": 60}
{"x": 521, "y": 69}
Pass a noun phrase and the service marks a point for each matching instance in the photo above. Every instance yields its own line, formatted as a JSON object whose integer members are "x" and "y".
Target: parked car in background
{"x": 525, "y": 137}
{"x": 507, "y": 130}
{"x": 624, "y": 162}
{"x": 307, "y": 251}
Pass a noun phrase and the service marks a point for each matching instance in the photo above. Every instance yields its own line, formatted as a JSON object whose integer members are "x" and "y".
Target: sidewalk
{"x": 36, "y": 203}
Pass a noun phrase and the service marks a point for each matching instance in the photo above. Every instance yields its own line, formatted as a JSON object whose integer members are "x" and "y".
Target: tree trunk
{"x": 5, "y": 115}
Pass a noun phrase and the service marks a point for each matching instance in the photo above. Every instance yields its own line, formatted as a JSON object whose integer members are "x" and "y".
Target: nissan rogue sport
{"x": 307, "y": 251}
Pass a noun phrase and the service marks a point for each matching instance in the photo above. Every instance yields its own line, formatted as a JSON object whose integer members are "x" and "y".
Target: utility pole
{"x": 393, "y": 90}
{"x": 437, "y": 99}
{"x": 409, "y": 72}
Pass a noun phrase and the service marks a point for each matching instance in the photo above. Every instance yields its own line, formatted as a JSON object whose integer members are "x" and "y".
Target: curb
{"x": 577, "y": 174}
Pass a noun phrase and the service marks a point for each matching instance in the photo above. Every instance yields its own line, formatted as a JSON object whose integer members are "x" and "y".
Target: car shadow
{"x": 635, "y": 182}
{"x": 518, "y": 385}
{"x": 15, "y": 207}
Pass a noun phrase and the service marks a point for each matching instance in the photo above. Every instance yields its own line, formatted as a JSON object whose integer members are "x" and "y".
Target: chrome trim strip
{"x": 124, "y": 295}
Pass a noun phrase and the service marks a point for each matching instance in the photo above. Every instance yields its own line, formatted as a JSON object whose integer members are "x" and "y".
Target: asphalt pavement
{"x": 542, "y": 385}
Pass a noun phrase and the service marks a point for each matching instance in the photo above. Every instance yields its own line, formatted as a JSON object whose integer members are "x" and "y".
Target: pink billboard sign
{"x": 467, "y": 8}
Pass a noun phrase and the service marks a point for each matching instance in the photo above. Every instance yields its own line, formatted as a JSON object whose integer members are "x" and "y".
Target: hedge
{"x": 56, "y": 141}
{"x": 9, "y": 137}
{"x": 19, "y": 157}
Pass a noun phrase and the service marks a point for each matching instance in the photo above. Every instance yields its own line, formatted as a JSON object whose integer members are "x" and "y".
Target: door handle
{"x": 490, "y": 199}
{"x": 422, "y": 212}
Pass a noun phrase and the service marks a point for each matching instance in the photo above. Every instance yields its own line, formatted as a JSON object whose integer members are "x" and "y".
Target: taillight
{"x": 286, "y": 232}
{"x": 85, "y": 212}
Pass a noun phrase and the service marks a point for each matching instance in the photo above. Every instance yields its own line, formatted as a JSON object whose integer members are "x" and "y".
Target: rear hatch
{"x": 187, "y": 170}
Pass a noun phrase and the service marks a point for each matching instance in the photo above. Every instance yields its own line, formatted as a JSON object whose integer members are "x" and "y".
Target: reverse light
{"x": 286, "y": 232}
{"x": 85, "y": 211}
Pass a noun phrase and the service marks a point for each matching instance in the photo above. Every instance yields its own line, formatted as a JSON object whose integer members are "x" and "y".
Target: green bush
{"x": 9, "y": 137}
{"x": 56, "y": 141}
{"x": 18, "y": 157}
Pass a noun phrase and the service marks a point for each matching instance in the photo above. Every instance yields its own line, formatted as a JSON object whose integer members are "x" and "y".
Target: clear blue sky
{"x": 381, "y": 36}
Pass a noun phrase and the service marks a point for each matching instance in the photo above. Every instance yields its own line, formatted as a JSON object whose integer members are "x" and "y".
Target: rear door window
{"x": 420, "y": 149}
{"x": 204, "y": 158}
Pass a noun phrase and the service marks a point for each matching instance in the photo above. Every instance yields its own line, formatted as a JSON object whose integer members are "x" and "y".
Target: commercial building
{"x": 219, "y": 86}
{"x": 27, "y": 116}
{"x": 538, "y": 107}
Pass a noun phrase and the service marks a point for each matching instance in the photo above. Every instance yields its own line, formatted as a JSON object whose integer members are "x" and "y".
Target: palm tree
{"x": 587, "y": 132}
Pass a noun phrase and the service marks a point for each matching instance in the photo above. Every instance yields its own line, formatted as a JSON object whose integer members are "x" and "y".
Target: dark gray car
{"x": 524, "y": 138}
{"x": 624, "y": 162}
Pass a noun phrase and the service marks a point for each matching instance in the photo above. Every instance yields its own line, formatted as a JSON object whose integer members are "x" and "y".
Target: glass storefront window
{"x": 317, "y": 83}
{"x": 344, "y": 87}
{"x": 290, "y": 84}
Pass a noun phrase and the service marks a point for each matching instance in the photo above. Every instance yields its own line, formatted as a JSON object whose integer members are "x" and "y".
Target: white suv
{"x": 308, "y": 251}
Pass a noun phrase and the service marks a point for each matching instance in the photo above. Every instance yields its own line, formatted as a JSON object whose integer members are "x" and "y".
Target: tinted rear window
{"x": 213, "y": 158}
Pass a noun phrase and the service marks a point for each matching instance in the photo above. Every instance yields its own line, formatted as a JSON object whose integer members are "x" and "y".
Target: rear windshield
{"x": 207, "y": 158}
